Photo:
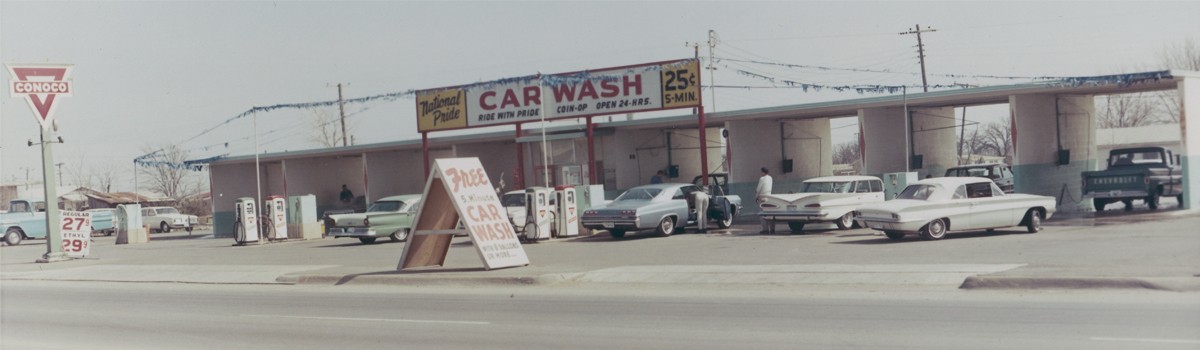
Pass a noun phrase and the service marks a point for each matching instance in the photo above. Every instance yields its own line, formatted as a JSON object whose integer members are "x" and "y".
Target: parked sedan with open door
{"x": 932, "y": 207}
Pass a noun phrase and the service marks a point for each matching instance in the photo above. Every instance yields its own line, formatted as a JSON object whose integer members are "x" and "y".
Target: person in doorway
{"x": 700, "y": 200}
{"x": 346, "y": 196}
{"x": 764, "y": 188}
{"x": 657, "y": 178}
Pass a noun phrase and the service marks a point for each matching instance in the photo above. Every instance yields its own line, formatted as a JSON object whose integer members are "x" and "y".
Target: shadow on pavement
{"x": 914, "y": 238}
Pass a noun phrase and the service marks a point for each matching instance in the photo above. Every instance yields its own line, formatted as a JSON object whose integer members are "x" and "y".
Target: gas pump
{"x": 276, "y": 217}
{"x": 539, "y": 214}
{"x": 894, "y": 183}
{"x": 245, "y": 227}
{"x": 568, "y": 211}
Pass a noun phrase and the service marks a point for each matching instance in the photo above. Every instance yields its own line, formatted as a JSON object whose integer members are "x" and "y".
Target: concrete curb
{"x": 412, "y": 280}
{"x": 1174, "y": 284}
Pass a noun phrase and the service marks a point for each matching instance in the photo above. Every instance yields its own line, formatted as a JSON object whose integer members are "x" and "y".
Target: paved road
{"x": 75, "y": 315}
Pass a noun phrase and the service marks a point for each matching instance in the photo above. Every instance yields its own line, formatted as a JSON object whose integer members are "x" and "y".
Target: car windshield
{"x": 513, "y": 200}
{"x": 1120, "y": 159}
{"x": 164, "y": 211}
{"x": 385, "y": 206}
{"x": 921, "y": 192}
{"x": 827, "y": 187}
{"x": 639, "y": 194}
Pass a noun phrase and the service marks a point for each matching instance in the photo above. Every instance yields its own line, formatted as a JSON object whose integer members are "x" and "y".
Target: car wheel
{"x": 1128, "y": 204}
{"x": 1179, "y": 200}
{"x": 845, "y": 222}
{"x": 399, "y": 236}
{"x": 796, "y": 227}
{"x": 1033, "y": 221}
{"x": 12, "y": 236}
{"x": 1152, "y": 201}
{"x": 934, "y": 230}
{"x": 366, "y": 240}
{"x": 727, "y": 222}
{"x": 666, "y": 227}
{"x": 617, "y": 233}
{"x": 163, "y": 227}
{"x": 189, "y": 229}
{"x": 894, "y": 235}
{"x": 1099, "y": 204}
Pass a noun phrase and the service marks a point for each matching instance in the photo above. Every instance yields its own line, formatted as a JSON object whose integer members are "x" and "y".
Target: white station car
{"x": 823, "y": 199}
{"x": 931, "y": 207}
{"x": 166, "y": 219}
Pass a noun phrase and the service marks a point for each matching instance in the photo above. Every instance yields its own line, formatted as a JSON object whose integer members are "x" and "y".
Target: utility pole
{"x": 920, "y": 51}
{"x": 342, "y": 111}
{"x": 712, "y": 45}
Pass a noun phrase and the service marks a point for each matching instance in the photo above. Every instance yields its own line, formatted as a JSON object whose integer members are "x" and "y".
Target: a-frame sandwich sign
{"x": 458, "y": 188}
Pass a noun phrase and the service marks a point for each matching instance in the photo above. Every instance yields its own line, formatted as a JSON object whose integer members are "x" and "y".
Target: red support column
{"x": 703, "y": 149}
{"x": 591, "y": 152}
{"x": 425, "y": 150}
{"x": 519, "y": 177}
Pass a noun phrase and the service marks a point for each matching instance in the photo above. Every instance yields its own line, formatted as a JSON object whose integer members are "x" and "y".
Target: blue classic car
{"x": 662, "y": 207}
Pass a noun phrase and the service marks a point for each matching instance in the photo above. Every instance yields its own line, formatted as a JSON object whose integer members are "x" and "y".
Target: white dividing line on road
{"x": 369, "y": 319}
{"x": 1148, "y": 340}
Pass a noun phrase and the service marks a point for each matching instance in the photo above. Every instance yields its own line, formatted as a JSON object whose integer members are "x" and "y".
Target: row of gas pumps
{"x": 299, "y": 212}
{"x": 549, "y": 212}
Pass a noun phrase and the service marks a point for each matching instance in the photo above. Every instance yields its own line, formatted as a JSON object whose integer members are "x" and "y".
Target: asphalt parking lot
{"x": 1138, "y": 244}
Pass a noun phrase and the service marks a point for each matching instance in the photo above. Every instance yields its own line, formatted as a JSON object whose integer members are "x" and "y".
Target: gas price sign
{"x": 76, "y": 233}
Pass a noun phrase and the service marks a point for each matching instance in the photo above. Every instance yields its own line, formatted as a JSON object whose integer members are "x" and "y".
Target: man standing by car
{"x": 346, "y": 196}
{"x": 700, "y": 200}
{"x": 764, "y": 188}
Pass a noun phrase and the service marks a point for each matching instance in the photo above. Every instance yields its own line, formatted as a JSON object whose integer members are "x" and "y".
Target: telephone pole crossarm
{"x": 921, "y": 51}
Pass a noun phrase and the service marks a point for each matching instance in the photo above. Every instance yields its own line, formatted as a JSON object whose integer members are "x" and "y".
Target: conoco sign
{"x": 41, "y": 85}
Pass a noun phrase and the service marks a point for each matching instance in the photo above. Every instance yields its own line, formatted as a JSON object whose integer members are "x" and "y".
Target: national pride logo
{"x": 41, "y": 85}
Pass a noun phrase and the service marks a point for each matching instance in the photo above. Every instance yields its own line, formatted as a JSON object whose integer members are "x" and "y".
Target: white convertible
{"x": 823, "y": 199}
{"x": 931, "y": 207}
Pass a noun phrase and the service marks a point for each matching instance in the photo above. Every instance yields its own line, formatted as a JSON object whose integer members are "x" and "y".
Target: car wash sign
{"x": 41, "y": 85}
{"x": 619, "y": 90}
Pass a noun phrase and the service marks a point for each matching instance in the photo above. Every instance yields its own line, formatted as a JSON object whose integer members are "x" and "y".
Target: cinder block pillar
{"x": 1189, "y": 98}
{"x": 935, "y": 139}
{"x": 808, "y": 144}
{"x": 884, "y": 143}
{"x": 1043, "y": 125}
{"x": 754, "y": 144}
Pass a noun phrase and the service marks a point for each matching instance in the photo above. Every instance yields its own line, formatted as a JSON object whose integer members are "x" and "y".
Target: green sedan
{"x": 390, "y": 216}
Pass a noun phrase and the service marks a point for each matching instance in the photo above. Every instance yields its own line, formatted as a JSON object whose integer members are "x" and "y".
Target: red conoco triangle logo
{"x": 40, "y": 85}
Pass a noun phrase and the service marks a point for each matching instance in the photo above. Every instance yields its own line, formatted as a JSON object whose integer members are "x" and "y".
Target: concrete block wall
{"x": 498, "y": 158}
{"x": 809, "y": 144}
{"x": 935, "y": 139}
{"x": 635, "y": 155}
{"x": 884, "y": 145}
{"x": 393, "y": 173}
{"x": 229, "y": 182}
{"x": 754, "y": 144}
{"x": 1039, "y": 125}
{"x": 323, "y": 177}
{"x": 685, "y": 152}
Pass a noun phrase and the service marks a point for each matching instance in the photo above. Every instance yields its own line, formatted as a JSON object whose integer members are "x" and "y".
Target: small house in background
{"x": 112, "y": 199}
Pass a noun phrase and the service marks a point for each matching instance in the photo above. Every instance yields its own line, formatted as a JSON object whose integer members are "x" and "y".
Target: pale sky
{"x": 149, "y": 74}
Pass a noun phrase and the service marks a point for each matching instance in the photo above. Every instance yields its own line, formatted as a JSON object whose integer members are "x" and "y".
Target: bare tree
{"x": 105, "y": 176}
{"x": 1186, "y": 56}
{"x": 1126, "y": 110}
{"x": 327, "y": 128}
{"x": 846, "y": 152}
{"x": 164, "y": 173}
{"x": 995, "y": 139}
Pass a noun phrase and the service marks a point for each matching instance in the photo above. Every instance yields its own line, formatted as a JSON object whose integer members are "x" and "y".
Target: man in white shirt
{"x": 764, "y": 188}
